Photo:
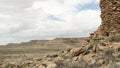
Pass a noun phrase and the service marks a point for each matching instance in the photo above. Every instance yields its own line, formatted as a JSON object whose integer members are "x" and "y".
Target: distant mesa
{"x": 56, "y": 41}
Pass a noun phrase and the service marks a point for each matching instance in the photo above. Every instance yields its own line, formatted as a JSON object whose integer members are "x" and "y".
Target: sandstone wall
{"x": 110, "y": 15}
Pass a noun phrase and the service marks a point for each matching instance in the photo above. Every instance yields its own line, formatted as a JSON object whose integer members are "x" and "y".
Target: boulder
{"x": 52, "y": 65}
{"x": 59, "y": 58}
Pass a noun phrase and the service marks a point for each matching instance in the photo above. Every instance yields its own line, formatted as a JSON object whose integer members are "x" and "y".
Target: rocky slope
{"x": 101, "y": 51}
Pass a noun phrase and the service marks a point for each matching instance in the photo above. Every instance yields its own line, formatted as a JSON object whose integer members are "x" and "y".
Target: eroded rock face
{"x": 110, "y": 15}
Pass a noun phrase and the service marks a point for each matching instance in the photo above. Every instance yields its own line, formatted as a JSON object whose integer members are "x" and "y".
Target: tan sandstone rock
{"x": 52, "y": 65}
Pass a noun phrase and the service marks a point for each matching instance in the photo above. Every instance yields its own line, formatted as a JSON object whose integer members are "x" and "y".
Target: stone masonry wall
{"x": 110, "y": 15}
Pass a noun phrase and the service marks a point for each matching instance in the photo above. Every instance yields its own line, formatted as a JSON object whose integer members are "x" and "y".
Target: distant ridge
{"x": 59, "y": 41}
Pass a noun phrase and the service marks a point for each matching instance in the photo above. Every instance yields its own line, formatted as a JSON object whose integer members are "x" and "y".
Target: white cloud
{"x": 33, "y": 23}
{"x": 56, "y": 7}
{"x": 4, "y": 16}
{"x": 97, "y": 1}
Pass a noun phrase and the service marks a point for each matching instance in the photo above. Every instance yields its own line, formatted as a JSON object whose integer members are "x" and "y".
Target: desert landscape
{"x": 100, "y": 50}
{"x": 39, "y": 47}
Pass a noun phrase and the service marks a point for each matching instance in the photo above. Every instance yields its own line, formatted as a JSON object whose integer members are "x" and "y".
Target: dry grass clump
{"x": 113, "y": 64}
{"x": 76, "y": 64}
{"x": 115, "y": 38}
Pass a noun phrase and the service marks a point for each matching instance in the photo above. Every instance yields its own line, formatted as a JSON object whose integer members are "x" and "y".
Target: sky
{"x": 24, "y": 20}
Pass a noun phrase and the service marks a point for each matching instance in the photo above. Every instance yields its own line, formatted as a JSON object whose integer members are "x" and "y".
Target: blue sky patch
{"x": 92, "y": 6}
{"x": 55, "y": 18}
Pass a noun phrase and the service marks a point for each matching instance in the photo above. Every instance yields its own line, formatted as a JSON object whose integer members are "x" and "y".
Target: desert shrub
{"x": 23, "y": 66}
{"x": 10, "y": 66}
{"x": 108, "y": 55}
{"x": 94, "y": 66}
{"x": 76, "y": 64}
{"x": 16, "y": 66}
{"x": 115, "y": 38}
{"x": 81, "y": 64}
{"x": 59, "y": 64}
{"x": 113, "y": 64}
{"x": 68, "y": 64}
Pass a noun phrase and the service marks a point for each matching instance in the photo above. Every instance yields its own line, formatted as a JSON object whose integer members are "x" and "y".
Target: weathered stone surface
{"x": 59, "y": 58}
{"x": 75, "y": 52}
{"x": 75, "y": 58}
{"x": 41, "y": 66}
{"x": 110, "y": 15}
{"x": 52, "y": 65}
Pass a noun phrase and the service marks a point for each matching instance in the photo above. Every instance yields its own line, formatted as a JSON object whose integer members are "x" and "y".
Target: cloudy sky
{"x": 24, "y": 20}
